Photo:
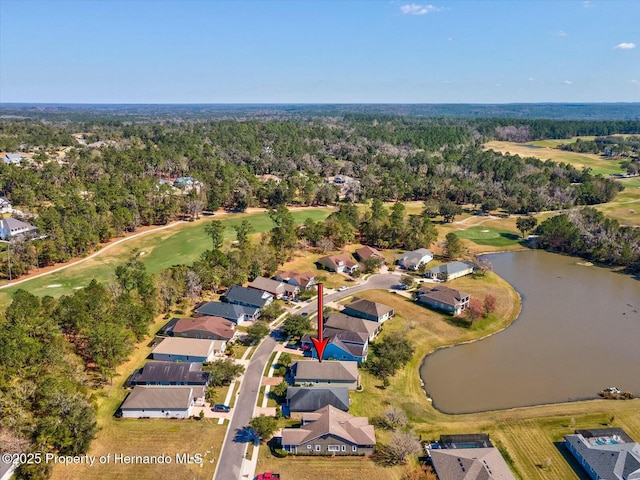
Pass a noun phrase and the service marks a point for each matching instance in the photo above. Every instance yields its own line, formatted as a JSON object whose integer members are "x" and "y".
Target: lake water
{"x": 578, "y": 332}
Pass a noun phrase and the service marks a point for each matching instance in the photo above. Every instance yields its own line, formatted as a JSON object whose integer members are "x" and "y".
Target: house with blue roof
{"x": 343, "y": 345}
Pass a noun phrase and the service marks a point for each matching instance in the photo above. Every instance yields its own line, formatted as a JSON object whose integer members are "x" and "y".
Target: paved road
{"x": 230, "y": 461}
{"x": 232, "y": 454}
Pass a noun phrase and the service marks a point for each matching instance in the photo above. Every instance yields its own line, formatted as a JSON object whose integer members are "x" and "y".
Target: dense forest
{"x": 87, "y": 182}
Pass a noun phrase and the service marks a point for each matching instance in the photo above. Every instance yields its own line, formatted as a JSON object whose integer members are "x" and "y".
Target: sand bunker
{"x": 54, "y": 285}
{"x": 485, "y": 231}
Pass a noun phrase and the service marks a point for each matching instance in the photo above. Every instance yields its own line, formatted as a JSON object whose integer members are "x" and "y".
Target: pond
{"x": 578, "y": 333}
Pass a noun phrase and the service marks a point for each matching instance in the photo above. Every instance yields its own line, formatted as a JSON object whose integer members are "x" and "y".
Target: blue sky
{"x": 192, "y": 51}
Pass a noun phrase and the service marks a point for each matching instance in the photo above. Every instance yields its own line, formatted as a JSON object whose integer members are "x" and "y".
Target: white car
{"x": 342, "y": 288}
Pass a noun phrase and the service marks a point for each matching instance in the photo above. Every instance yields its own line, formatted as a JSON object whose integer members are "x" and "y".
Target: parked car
{"x": 304, "y": 314}
{"x": 219, "y": 407}
{"x": 342, "y": 288}
{"x": 400, "y": 286}
{"x": 267, "y": 476}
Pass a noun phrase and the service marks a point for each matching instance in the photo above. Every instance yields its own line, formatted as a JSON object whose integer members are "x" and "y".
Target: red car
{"x": 267, "y": 476}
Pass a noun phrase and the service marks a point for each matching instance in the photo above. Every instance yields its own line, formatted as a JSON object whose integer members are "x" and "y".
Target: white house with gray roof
{"x": 162, "y": 402}
{"x": 5, "y": 205}
{"x": 12, "y": 227}
{"x": 327, "y": 374}
{"x": 12, "y": 159}
{"x": 450, "y": 271}
{"x": 177, "y": 349}
{"x": 414, "y": 259}
{"x": 605, "y": 453}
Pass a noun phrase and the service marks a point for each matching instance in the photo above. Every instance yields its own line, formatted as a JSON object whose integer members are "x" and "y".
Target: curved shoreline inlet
{"x": 579, "y": 329}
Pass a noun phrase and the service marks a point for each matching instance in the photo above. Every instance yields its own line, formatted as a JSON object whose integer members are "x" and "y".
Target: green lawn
{"x": 485, "y": 235}
{"x": 181, "y": 244}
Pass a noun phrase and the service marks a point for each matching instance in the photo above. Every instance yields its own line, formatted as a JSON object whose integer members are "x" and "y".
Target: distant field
{"x": 544, "y": 151}
{"x": 182, "y": 244}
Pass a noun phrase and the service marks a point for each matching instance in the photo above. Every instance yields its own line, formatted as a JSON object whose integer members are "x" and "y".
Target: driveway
{"x": 230, "y": 463}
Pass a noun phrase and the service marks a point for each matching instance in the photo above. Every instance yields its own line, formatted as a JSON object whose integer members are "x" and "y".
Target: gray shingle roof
{"x": 615, "y": 460}
{"x": 249, "y": 296}
{"x": 413, "y": 258}
{"x": 192, "y": 347}
{"x": 470, "y": 464}
{"x": 159, "y": 398}
{"x": 341, "y": 321}
{"x": 451, "y": 268}
{"x": 171, "y": 372}
{"x": 306, "y": 399}
{"x": 368, "y": 307}
{"x": 331, "y": 421}
{"x": 440, "y": 293}
{"x": 225, "y": 310}
{"x": 327, "y": 370}
{"x": 268, "y": 285}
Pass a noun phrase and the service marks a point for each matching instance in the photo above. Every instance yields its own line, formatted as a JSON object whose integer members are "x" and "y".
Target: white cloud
{"x": 568, "y": 82}
{"x": 530, "y": 79}
{"x": 625, "y": 46}
{"x": 587, "y": 4}
{"x": 561, "y": 33}
{"x": 635, "y": 82}
{"x": 416, "y": 9}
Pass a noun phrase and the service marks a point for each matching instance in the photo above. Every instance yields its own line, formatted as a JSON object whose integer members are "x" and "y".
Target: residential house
{"x": 414, "y": 259}
{"x": 7, "y": 469}
{"x": 276, "y": 288}
{"x": 343, "y": 345}
{"x": 248, "y": 297}
{"x": 174, "y": 349}
{"x": 5, "y": 205}
{"x": 339, "y": 321}
{"x": 12, "y": 159}
{"x": 162, "y": 402}
{"x": 443, "y": 298}
{"x": 330, "y": 431}
{"x": 237, "y": 314}
{"x": 605, "y": 453}
{"x": 12, "y": 227}
{"x": 170, "y": 373}
{"x": 327, "y": 374}
{"x": 450, "y": 271}
{"x": 187, "y": 184}
{"x": 209, "y": 328}
{"x": 303, "y": 280}
{"x": 366, "y": 252}
{"x": 342, "y": 263}
{"x": 369, "y": 310}
{"x": 470, "y": 464}
{"x": 308, "y": 399}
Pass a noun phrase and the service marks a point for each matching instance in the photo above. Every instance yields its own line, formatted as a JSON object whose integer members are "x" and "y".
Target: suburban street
{"x": 233, "y": 453}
